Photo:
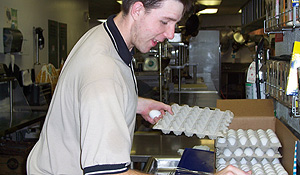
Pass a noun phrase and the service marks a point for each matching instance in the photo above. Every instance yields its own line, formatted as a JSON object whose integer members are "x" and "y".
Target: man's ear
{"x": 137, "y": 9}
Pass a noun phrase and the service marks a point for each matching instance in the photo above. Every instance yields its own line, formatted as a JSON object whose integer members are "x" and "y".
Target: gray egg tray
{"x": 195, "y": 120}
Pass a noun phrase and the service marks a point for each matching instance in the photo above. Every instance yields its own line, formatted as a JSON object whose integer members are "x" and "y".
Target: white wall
{"x": 36, "y": 13}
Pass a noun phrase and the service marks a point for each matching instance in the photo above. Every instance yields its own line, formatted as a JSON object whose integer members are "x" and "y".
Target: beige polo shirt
{"x": 91, "y": 118}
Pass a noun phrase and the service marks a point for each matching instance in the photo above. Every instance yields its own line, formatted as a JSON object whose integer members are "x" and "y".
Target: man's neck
{"x": 123, "y": 23}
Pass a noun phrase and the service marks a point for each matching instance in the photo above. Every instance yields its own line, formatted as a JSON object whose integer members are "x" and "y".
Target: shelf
{"x": 6, "y": 79}
{"x": 253, "y": 15}
{"x": 254, "y": 25}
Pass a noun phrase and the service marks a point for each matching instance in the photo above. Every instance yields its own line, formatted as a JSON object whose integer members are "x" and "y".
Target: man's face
{"x": 156, "y": 25}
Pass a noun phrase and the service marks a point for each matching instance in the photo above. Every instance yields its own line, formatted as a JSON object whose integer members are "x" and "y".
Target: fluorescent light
{"x": 102, "y": 20}
{"x": 120, "y": 2}
{"x": 209, "y": 2}
{"x": 208, "y": 11}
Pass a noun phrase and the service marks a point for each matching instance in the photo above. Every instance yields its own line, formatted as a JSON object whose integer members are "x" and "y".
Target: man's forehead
{"x": 171, "y": 19}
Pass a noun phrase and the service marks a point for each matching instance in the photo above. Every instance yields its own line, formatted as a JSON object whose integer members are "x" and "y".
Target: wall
{"x": 286, "y": 48}
{"x": 243, "y": 55}
{"x": 36, "y": 13}
{"x": 215, "y": 21}
{"x": 226, "y": 22}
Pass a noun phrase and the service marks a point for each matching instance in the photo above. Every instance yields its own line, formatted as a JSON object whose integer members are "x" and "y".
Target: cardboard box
{"x": 259, "y": 114}
{"x": 12, "y": 165}
{"x": 13, "y": 157}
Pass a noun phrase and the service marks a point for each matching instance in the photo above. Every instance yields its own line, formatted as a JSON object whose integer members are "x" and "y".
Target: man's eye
{"x": 164, "y": 22}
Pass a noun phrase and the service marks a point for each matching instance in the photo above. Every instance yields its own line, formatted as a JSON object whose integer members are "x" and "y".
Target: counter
{"x": 19, "y": 121}
{"x": 147, "y": 144}
{"x": 15, "y": 111}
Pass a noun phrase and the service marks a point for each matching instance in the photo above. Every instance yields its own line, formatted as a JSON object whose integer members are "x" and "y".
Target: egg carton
{"x": 195, "y": 120}
{"x": 248, "y": 154}
{"x": 263, "y": 168}
{"x": 249, "y": 138}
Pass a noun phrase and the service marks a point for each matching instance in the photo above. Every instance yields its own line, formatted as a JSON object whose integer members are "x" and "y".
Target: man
{"x": 90, "y": 123}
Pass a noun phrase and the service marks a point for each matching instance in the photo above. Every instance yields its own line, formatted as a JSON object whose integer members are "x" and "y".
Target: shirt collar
{"x": 118, "y": 40}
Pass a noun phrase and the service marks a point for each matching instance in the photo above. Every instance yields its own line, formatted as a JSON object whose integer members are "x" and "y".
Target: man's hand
{"x": 146, "y": 105}
{"x": 231, "y": 170}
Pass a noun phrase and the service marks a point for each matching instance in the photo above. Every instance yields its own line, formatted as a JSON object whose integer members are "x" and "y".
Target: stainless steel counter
{"x": 19, "y": 121}
{"x": 147, "y": 144}
{"x": 15, "y": 111}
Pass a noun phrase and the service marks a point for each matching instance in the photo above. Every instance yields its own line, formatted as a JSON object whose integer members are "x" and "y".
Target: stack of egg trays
{"x": 195, "y": 120}
{"x": 268, "y": 148}
{"x": 272, "y": 142}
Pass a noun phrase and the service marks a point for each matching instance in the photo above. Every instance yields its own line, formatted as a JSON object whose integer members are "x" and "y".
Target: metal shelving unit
{"x": 281, "y": 16}
{"x": 253, "y": 15}
{"x": 279, "y": 22}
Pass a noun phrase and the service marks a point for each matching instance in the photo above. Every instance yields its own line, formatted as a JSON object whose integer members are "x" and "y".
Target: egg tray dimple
{"x": 266, "y": 168}
{"x": 195, "y": 120}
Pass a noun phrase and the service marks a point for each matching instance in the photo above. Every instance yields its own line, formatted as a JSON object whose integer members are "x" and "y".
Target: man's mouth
{"x": 154, "y": 42}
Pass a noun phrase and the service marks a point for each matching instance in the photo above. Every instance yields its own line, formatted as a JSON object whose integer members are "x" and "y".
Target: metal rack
{"x": 277, "y": 70}
{"x": 281, "y": 22}
{"x": 277, "y": 75}
{"x": 276, "y": 82}
{"x": 296, "y": 99}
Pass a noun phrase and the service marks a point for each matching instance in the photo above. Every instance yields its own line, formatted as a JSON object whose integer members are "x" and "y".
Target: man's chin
{"x": 145, "y": 50}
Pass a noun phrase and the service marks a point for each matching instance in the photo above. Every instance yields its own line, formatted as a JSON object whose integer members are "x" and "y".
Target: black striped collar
{"x": 118, "y": 40}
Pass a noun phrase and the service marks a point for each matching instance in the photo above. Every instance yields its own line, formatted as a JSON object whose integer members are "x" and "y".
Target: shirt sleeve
{"x": 105, "y": 137}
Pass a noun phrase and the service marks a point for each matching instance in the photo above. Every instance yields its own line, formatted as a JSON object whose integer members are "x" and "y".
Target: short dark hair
{"x": 152, "y": 4}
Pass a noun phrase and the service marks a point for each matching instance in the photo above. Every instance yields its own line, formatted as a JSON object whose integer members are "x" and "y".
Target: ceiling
{"x": 101, "y": 9}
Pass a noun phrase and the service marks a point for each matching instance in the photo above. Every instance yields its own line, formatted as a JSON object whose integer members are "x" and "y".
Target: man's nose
{"x": 169, "y": 33}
